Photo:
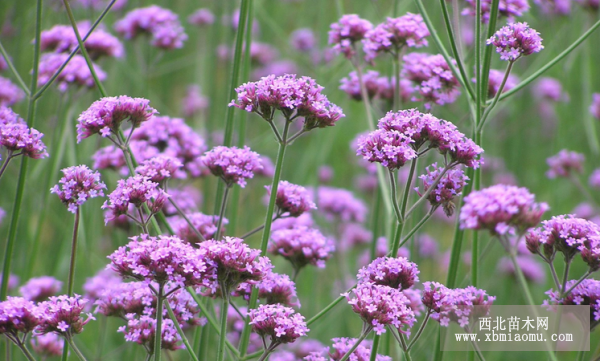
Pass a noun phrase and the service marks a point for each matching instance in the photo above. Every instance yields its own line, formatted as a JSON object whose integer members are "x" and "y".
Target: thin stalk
{"x": 374, "y": 348}
{"x": 159, "y": 318}
{"x": 188, "y": 347}
{"x": 8, "y": 158}
{"x": 420, "y": 331}
{"x": 223, "y": 331}
{"x": 14, "y": 70}
{"x": 487, "y": 57}
{"x": 416, "y": 228}
{"x": 496, "y": 98}
{"x": 23, "y": 348}
{"x": 551, "y": 63}
{"x": 255, "y": 230}
{"x": 429, "y": 190}
{"x": 365, "y": 96}
{"x": 554, "y": 275}
{"x": 403, "y": 214}
{"x": 268, "y": 351}
{"x": 328, "y": 308}
{"x": 375, "y": 223}
{"x": 356, "y": 344}
{"x": 565, "y": 275}
{"x": 222, "y": 211}
{"x": 583, "y": 278}
{"x": 187, "y": 220}
{"x": 475, "y": 347}
{"x": 14, "y": 220}
{"x": 404, "y": 347}
{"x": 397, "y": 65}
{"x": 73, "y": 253}
{"x": 394, "y": 187}
{"x": 75, "y": 349}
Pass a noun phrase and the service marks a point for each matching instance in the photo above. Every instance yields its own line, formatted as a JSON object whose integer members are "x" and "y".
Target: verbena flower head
{"x": 506, "y": 8}
{"x": 595, "y": 107}
{"x": 18, "y": 138}
{"x": 136, "y": 190}
{"x": 76, "y": 72}
{"x": 341, "y": 346}
{"x": 303, "y": 39}
{"x": 40, "y": 288}
{"x": 159, "y": 168}
{"x": 62, "y": 315}
{"x": 302, "y": 246}
{"x": 273, "y": 288}
{"x": 234, "y": 262}
{"x": 380, "y": 306}
{"x": 371, "y": 80}
{"x": 205, "y": 224}
{"x": 549, "y": 89}
{"x": 47, "y": 345}
{"x": 62, "y": 39}
{"x": 395, "y": 33}
{"x": 564, "y": 164}
{"x": 594, "y": 180}
{"x": 105, "y": 116}
{"x": 390, "y": 148}
{"x": 557, "y": 7}
{"x": 100, "y": 4}
{"x": 501, "y": 209}
{"x": 341, "y": 204}
{"x": 455, "y": 305}
{"x": 349, "y": 30}
{"x": 123, "y": 298}
{"x": 17, "y": 315}
{"x": 515, "y": 40}
{"x": 433, "y": 78}
{"x": 163, "y": 259}
{"x": 10, "y": 93}
{"x": 187, "y": 198}
{"x": 292, "y": 199}
{"x": 281, "y": 324}
{"x": 77, "y": 186}
{"x": 95, "y": 286}
{"x": 585, "y": 293}
{"x": 288, "y": 93}
{"x": 141, "y": 329}
{"x": 162, "y": 24}
{"x": 232, "y": 164}
{"x": 201, "y": 17}
{"x": 449, "y": 187}
{"x": 194, "y": 102}
{"x": 398, "y": 273}
{"x": 568, "y": 235}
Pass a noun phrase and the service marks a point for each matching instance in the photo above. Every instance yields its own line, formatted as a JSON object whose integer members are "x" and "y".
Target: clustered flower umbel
{"x": 506, "y": 8}
{"x": 568, "y": 235}
{"x": 564, "y": 164}
{"x": 583, "y": 294}
{"x": 137, "y": 190}
{"x": 17, "y": 316}
{"x": 502, "y": 209}
{"x": 76, "y": 71}
{"x": 455, "y": 305}
{"x": 62, "y": 39}
{"x": 302, "y": 246}
{"x": 292, "y": 200}
{"x": 340, "y": 204}
{"x": 162, "y": 24}
{"x": 449, "y": 187}
{"x": 341, "y": 346}
{"x": 281, "y": 324}
{"x": 10, "y": 93}
{"x": 398, "y": 273}
{"x": 515, "y": 40}
{"x": 105, "y": 116}
{"x": 18, "y": 138}
{"x": 201, "y": 17}
{"x": 77, "y": 186}
{"x": 403, "y": 133}
{"x": 63, "y": 315}
{"x": 288, "y": 94}
{"x": 349, "y": 30}
{"x": 303, "y": 39}
{"x": 433, "y": 78}
{"x": 395, "y": 33}
{"x": 273, "y": 288}
{"x": 375, "y": 85}
{"x": 232, "y": 164}
{"x": 40, "y": 288}
{"x": 206, "y": 225}
{"x": 159, "y": 168}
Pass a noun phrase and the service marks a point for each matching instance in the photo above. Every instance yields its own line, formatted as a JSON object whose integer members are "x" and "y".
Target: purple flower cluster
{"x": 76, "y": 72}
{"x": 568, "y": 235}
{"x": 187, "y": 198}
{"x": 40, "y": 288}
{"x": 501, "y": 209}
{"x": 18, "y": 315}
{"x": 455, "y": 305}
{"x": 105, "y": 116}
{"x": 232, "y": 164}
{"x": 507, "y": 8}
{"x": 495, "y": 80}
{"x": 302, "y": 246}
{"x": 288, "y": 94}
{"x": 274, "y": 288}
{"x": 341, "y": 346}
{"x": 142, "y": 330}
{"x": 594, "y": 179}
{"x": 303, "y": 39}
{"x": 398, "y": 273}
{"x": 101, "y": 4}
{"x": 565, "y": 164}
{"x": 349, "y": 30}
{"x": 558, "y": 7}
{"x": 234, "y": 262}
{"x": 18, "y": 138}
{"x": 10, "y": 93}
{"x": 433, "y": 78}
{"x": 282, "y": 324}
{"x": 159, "y": 168}
{"x": 163, "y": 259}
{"x": 62, "y": 315}
{"x": 585, "y": 293}
{"x": 201, "y": 17}
{"x": 78, "y": 185}
{"x": 162, "y": 24}
{"x": 193, "y": 102}
{"x": 206, "y": 225}
{"x": 62, "y": 39}
{"x": 47, "y": 345}
{"x": 292, "y": 200}
{"x": 449, "y": 186}
{"x": 515, "y": 40}
{"x": 136, "y": 190}
{"x": 395, "y": 33}
{"x": 375, "y": 85}
{"x": 548, "y": 89}
{"x": 338, "y": 203}
{"x": 595, "y": 106}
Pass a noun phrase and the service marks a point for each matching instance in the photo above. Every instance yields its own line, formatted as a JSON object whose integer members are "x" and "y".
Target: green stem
{"x": 14, "y": 70}
{"x": 551, "y": 63}
{"x": 403, "y": 214}
{"x": 188, "y": 347}
{"x": 397, "y": 96}
{"x": 415, "y": 228}
{"x": 376, "y": 212}
{"x": 328, "y": 308}
{"x": 187, "y": 220}
{"x": 583, "y": 278}
{"x": 487, "y": 57}
{"x": 420, "y": 331}
{"x": 565, "y": 276}
{"x": 23, "y": 349}
{"x": 374, "y": 348}
{"x": 554, "y": 275}
{"x": 73, "y": 254}
{"x": 496, "y": 98}
{"x": 75, "y": 349}
{"x": 222, "y": 212}
{"x": 356, "y": 344}
{"x": 159, "y": 318}
{"x": 365, "y": 96}
{"x": 223, "y": 330}
{"x": 394, "y": 188}
{"x": 432, "y": 187}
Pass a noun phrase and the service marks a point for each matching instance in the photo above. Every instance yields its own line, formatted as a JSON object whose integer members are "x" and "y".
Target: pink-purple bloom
{"x": 193, "y": 102}
{"x": 76, "y": 71}
{"x": 141, "y": 329}
{"x": 302, "y": 246}
{"x": 18, "y": 138}
{"x": 232, "y": 164}
{"x": 374, "y": 84}
{"x": 201, "y": 17}
{"x": 292, "y": 200}
{"x": 501, "y": 209}
{"x": 62, "y": 39}
{"x": 338, "y": 203}
{"x": 10, "y": 93}
{"x": 17, "y": 316}
{"x": 548, "y": 89}
{"x": 433, "y": 78}
{"x": 584, "y": 294}
{"x": 136, "y": 190}
{"x": 77, "y": 186}
{"x": 161, "y": 23}
{"x": 206, "y": 225}
{"x": 303, "y": 39}
{"x": 395, "y": 33}
{"x": 40, "y": 288}
{"x": 515, "y": 40}
{"x": 398, "y": 273}
{"x": 506, "y": 8}
{"x": 557, "y": 7}
{"x": 565, "y": 164}
{"x": 273, "y": 288}
{"x": 449, "y": 186}
{"x": 594, "y": 179}
{"x": 63, "y": 315}
{"x": 159, "y": 168}
{"x": 349, "y": 30}
{"x": 47, "y": 345}
{"x": 595, "y": 106}
{"x": 341, "y": 346}
{"x": 281, "y": 324}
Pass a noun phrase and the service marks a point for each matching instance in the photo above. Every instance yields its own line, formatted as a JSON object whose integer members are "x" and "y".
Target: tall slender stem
{"x": 394, "y": 187}
{"x": 416, "y": 228}
{"x": 328, "y": 308}
{"x": 187, "y": 220}
{"x": 14, "y": 70}
{"x": 222, "y": 212}
{"x": 73, "y": 253}
{"x": 497, "y": 97}
{"x": 554, "y": 275}
{"x": 159, "y": 319}
{"x": 5, "y": 164}
{"x": 23, "y": 349}
{"x": 568, "y": 292}
{"x": 188, "y": 347}
{"x": 431, "y": 188}
{"x": 375, "y": 347}
{"x": 420, "y": 331}
{"x": 223, "y": 331}
{"x": 565, "y": 275}
{"x": 397, "y": 96}
{"x": 403, "y": 214}
{"x": 75, "y": 349}
{"x": 365, "y": 96}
